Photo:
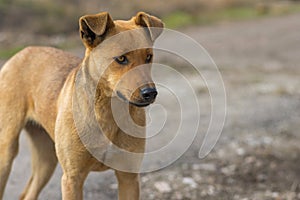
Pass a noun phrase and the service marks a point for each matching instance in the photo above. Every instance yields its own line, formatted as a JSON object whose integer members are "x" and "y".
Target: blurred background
{"x": 256, "y": 46}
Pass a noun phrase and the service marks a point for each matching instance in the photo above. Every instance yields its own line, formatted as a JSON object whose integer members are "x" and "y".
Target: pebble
{"x": 267, "y": 140}
{"x": 162, "y": 187}
{"x": 228, "y": 170}
{"x": 272, "y": 194}
{"x": 171, "y": 176}
{"x": 144, "y": 179}
{"x": 113, "y": 186}
{"x": 211, "y": 190}
{"x": 197, "y": 177}
{"x": 250, "y": 159}
{"x": 240, "y": 151}
{"x": 206, "y": 167}
{"x": 189, "y": 181}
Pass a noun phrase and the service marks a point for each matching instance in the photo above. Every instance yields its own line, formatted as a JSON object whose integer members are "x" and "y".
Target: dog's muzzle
{"x": 147, "y": 96}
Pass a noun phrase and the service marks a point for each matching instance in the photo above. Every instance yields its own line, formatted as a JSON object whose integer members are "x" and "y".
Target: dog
{"x": 37, "y": 90}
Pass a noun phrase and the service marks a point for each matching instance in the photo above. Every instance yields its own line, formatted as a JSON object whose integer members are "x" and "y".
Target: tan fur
{"x": 36, "y": 90}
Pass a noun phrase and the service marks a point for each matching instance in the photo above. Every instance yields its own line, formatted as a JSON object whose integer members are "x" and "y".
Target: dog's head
{"x": 129, "y": 57}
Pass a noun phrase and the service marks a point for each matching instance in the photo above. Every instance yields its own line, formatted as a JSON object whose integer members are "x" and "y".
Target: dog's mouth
{"x": 138, "y": 104}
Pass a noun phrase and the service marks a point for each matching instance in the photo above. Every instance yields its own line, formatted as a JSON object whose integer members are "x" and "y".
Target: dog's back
{"x": 33, "y": 79}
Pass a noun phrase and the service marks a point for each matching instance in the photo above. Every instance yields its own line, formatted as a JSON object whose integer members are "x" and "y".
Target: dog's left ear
{"x": 94, "y": 27}
{"x": 148, "y": 21}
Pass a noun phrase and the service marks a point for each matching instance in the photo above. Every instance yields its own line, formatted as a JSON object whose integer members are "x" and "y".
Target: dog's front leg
{"x": 129, "y": 185}
{"x": 72, "y": 187}
{"x": 75, "y": 170}
{"x": 75, "y": 164}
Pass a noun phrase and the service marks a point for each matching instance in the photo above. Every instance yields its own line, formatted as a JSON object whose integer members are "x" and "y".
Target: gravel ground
{"x": 258, "y": 154}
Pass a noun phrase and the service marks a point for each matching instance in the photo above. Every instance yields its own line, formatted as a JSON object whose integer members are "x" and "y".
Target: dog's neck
{"x": 90, "y": 81}
{"x": 95, "y": 90}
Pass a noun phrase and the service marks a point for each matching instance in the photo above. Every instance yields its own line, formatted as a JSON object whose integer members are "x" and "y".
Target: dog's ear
{"x": 94, "y": 27}
{"x": 148, "y": 21}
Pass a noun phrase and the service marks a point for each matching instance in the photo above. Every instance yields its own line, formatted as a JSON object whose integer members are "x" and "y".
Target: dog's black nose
{"x": 148, "y": 94}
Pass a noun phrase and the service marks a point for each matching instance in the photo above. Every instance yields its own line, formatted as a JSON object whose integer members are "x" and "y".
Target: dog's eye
{"x": 122, "y": 60}
{"x": 149, "y": 58}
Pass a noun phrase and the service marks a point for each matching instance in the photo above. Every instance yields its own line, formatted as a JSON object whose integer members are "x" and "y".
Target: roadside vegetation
{"x": 27, "y": 22}
{"x": 181, "y": 19}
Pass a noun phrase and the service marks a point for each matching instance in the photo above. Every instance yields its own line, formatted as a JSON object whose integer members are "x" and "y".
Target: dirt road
{"x": 258, "y": 154}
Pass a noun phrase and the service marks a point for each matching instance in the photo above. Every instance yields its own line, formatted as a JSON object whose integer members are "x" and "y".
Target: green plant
{"x": 7, "y": 53}
{"x": 178, "y": 19}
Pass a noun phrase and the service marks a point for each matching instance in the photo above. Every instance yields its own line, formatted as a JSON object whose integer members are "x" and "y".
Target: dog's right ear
{"x": 94, "y": 27}
{"x": 148, "y": 21}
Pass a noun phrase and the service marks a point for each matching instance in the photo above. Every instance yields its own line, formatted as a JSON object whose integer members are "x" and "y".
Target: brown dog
{"x": 37, "y": 90}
